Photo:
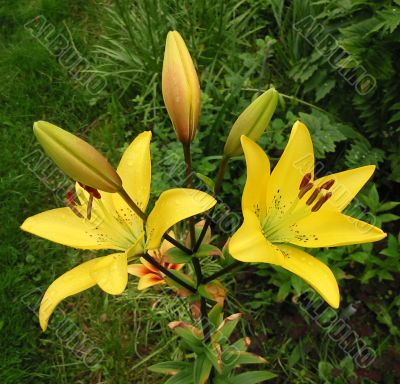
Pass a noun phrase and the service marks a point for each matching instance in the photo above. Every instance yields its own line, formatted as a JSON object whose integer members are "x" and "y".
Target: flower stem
{"x": 217, "y": 188}
{"x": 189, "y": 183}
{"x": 168, "y": 273}
{"x": 223, "y": 271}
{"x": 291, "y": 98}
{"x": 195, "y": 261}
{"x": 132, "y": 204}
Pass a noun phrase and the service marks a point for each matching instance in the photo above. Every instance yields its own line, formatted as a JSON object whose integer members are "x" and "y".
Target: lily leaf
{"x": 208, "y": 250}
{"x": 183, "y": 377}
{"x": 169, "y": 367}
{"x": 177, "y": 256}
{"x": 253, "y": 377}
{"x": 202, "y": 369}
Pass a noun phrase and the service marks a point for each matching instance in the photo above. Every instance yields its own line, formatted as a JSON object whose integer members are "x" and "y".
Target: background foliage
{"x": 239, "y": 47}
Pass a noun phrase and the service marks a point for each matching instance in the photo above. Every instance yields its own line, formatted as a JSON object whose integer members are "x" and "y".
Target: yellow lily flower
{"x": 288, "y": 207}
{"x": 148, "y": 274}
{"x": 106, "y": 221}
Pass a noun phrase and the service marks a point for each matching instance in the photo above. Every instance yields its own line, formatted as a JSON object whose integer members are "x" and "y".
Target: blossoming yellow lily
{"x": 104, "y": 220}
{"x": 288, "y": 207}
{"x": 148, "y": 274}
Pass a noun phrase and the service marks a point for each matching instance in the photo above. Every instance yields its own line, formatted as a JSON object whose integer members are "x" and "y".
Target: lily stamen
{"x": 328, "y": 184}
{"x": 90, "y": 190}
{"x": 321, "y": 202}
{"x": 313, "y": 196}
{"x": 305, "y": 181}
{"x": 305, "y": 189}
{"x": 69, "y": 200}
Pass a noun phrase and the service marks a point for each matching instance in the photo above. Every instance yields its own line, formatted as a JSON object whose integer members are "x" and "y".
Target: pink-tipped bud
{"x": 180, "y": 88}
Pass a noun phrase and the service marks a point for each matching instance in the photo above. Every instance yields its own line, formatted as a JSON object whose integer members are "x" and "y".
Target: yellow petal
{"x": 149, "y": 280}
{"x": 258, "y": 169}
{"x": 135, "y": 171}
{"x": 110, "y": 273}
{"x": 249, "y": 244}
{"x": 171, "y": 207}
{"x": 347, "y": 184}
{"x": 296, "y": 160}
{"x": 62, "y": 226}
{"x": 330, "y": 229}
{"x": 70, "y": 283}
{"x": 314, "y": 272}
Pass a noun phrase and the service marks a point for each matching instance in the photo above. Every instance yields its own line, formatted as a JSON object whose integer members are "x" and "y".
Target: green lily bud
{"x": 252, "y": 122}
{"x": 78, "y": 159}
{"x": 180, "y": 88}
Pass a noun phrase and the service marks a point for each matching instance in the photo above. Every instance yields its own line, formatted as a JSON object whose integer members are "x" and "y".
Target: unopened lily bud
{"x": 252, "y": 122}
{"x": 78, "y": 159}
{"x": 180, "y": 88}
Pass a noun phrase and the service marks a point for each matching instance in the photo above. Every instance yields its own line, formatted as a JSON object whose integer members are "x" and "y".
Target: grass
{"x": 129, "y": 333}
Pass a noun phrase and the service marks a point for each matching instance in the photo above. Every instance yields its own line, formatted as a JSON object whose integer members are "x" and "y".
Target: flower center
{"x": 309, "y": 199}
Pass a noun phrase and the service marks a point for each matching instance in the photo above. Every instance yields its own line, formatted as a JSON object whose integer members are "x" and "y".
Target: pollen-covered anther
{"x": 305, "y": 189}
{"x": 305, "y": 181}
{"x": 328, "y": 184}
{"x": 321, "y": 202}
{"x": 313, "y": 196}
{"x": 70, "y": 201}
{"x": 91, "y": 191}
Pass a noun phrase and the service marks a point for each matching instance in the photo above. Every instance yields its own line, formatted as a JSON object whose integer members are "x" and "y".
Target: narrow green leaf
{"x": 169, "y": 367}
{"x": 208, "y": 250}
{"x": 232, "y": 357}
{"x": 183, "y": 377}
{"x": 206, "y": 180}
{"x": 253, "y": 377}
{"x": 202, "y": 369}
{"x": 226, "y": 328}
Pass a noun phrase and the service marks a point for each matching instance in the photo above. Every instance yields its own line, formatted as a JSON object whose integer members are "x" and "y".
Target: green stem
{"x": 132, "y": 204}
{"x": 195, "y": 261}
{"x": 291, "y": 98}
{"x": 168, "y": 273}
{"x": 217, "y": 188}
{"x": 189, "y": 183}
{"x": 223, "y": 271}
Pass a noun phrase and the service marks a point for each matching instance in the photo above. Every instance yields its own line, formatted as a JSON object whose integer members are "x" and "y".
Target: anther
{"x": 306, "y": 180}
{"x": 313, "y": 196}
{"x": 328, "y": 184}
{"x": 92, "y": 191}
{"x": 321, "y": 202}
{"x": 305, "y": 189}
{"x": 69, "y": 200}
